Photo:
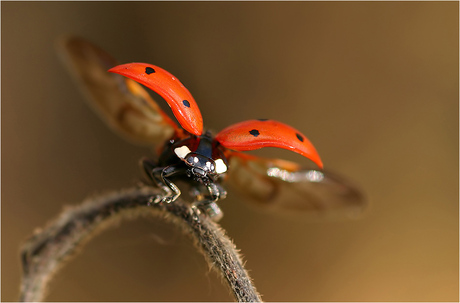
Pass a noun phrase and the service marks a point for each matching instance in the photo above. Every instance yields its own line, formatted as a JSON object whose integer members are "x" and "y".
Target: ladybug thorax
{"x": 202, "y": 154}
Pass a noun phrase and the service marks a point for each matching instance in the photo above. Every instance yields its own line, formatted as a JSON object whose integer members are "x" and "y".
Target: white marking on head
{"x": 182, "y": 151}
{"x": 220, "y": 166}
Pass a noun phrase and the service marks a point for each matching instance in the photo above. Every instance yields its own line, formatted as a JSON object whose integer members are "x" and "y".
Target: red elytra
{"x": 170, "y": 88}
{"x": 243, "y": 136}
{"x": 255, "y": 134}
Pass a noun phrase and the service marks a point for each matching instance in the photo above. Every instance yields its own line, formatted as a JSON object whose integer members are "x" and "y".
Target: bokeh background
{"x": 373, "y": 85}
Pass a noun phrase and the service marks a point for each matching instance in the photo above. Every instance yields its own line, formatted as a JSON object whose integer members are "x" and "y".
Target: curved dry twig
{"x": 48, "y": 249}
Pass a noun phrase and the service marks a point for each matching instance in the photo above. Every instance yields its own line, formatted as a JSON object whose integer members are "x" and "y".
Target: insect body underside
{"x": 204, "y": 197}
{"x": 198, "y": 162}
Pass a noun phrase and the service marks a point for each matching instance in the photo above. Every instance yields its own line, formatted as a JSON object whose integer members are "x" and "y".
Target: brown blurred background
{"x": 373, "y": 85}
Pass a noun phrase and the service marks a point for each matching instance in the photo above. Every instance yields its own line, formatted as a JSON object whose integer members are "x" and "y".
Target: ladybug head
{"x": 201, "y": 168}
{"x": 204, "y": 162}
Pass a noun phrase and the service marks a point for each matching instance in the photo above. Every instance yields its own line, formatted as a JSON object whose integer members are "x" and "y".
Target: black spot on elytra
{"x": 299, "y": 136}
{"x": 186, "y": 103}
{"x": 262, "y": 120}
{"x": 254, "y": 132}
{"x": 149, "y": 70}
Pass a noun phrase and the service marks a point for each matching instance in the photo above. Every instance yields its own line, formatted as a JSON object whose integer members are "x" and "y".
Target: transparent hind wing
{"x": 122, "y": 103}
{"x": 282, "y": 185}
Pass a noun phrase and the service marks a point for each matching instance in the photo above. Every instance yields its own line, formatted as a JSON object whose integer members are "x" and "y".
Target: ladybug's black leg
{"x": 160, "y": 175}
{"x": 208, "y": 204}
{"x": 174, "y": 191}
{"x": 153, "y": 173}
{"x": 158, "y": 180}
{"x": 214, "y": 192}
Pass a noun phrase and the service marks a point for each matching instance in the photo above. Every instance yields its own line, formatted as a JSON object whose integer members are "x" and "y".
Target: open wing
{"x": 283, "y": 185}
{"x": 121, "y": 102}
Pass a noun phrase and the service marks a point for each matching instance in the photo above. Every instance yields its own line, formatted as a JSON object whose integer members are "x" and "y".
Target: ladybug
{"x": 194, "y": 156}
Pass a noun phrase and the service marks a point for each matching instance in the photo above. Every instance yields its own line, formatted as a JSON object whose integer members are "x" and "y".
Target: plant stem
{"x": 48, "y": 249}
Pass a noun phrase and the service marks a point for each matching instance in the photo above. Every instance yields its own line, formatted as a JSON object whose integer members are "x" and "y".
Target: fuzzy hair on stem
{"x": 48, "y": 249}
